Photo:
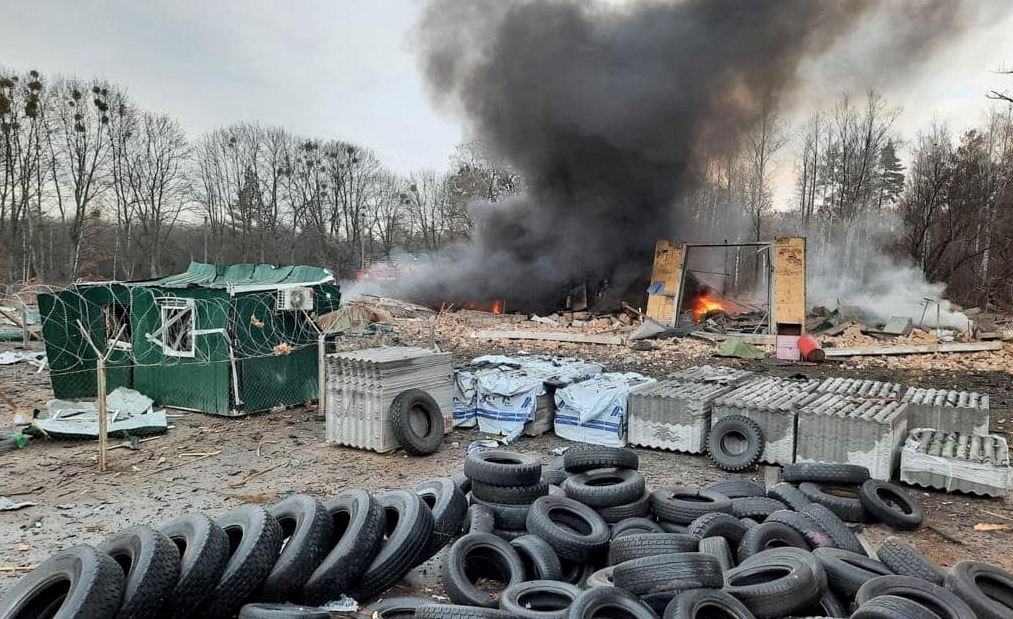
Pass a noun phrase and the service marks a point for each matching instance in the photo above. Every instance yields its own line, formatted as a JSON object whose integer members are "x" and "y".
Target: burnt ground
{"x": 212, "y": 464}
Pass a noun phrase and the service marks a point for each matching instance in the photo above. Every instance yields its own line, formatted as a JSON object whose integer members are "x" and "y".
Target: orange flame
{"x": 704, "y": 305}
{"x": 496, "y": 307}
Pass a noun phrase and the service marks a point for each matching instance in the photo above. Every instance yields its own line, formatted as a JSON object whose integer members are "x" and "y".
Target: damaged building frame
{"x": 785, "y": 271}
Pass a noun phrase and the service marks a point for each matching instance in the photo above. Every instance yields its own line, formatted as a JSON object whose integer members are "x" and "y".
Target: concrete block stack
{"x": 852, "y": 430}
{"x": 947, "y": 411}
{"x": 360, "y": 386}
{"x": 773, "y": 403}
{"x": 956, "y": 462}
{"x": 674, "y": 415}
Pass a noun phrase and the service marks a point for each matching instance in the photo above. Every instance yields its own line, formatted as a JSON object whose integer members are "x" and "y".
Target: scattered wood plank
{"x": 756, "y": 339}
{"x": 916, "y": 349}
{"x": 550, "y": 336}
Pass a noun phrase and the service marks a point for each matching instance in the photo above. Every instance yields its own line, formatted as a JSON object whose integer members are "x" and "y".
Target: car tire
{"x": 79, "y": 582}
{"x": 509, "y": 495}
{"x": 476, "y": 556}
{"x": 848, "y": 571}
{"x": 203, "y": 551}
{"x": 409, "y": 525}
{"x": 540, "y": 560}
{"x": 574, "y": 530}
{"x": 834, "y": 527}
{"x": 306, "y": 528}
{"x": 718, "y": 548}
{"x": 633, "y": 526}
{"x": 842, "y": 500}
{"x": 825, "y": 473}
{"x": 941, "y": 602}
{"x": 358, "y": 524}
{"x": 790, "y": 495}
{"x": 746, "y": 435}
{"x": 736, "y": 487}
{"x": 635, "y": 509}
{"x": 598, "y": 602}
{"x": 416, "y": 422}
{"x": 697, "y": 603}
{"x": 448, "y": 506}
{"x": 890, "y": 505}
{"x": 479, "y": 519}
{"x": 150, "y": 563}
{"x": 649, "y": 545}
{"x": 668, "y": 573}
{"x": 777, "y": 582}
{"x": 904, "y": 560}
{"x": 805, "y": 526}
{"x": 605, "y": 487}
{"x": 683, "y": 505}
{"x": 589, "y": 457}
{"x": 255, "y": 539}
{"x": 755, "y": 507}
{"x": 502, "y": 468}
{"x": 986, "y": 588}
{"x": 539, "y": 599}
{"x": 719, "y": 525}
{"x": 767, "y": 535}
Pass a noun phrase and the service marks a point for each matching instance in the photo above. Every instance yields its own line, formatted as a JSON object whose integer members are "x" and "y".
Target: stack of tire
{"x": 252, "y": 558}
{"x": 728, "y": 550}
{"x": 506, "y": 484}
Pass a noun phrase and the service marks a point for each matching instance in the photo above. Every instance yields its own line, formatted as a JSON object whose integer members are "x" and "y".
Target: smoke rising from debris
{"x": 610, "y": 113}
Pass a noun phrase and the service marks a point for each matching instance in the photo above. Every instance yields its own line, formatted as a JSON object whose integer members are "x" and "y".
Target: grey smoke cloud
{"x": 610, "y": 112}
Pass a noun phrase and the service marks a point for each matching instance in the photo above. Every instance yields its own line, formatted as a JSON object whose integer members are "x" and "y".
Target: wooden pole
{"x": 321, "y": 374}
{"x": 103, "y": 417}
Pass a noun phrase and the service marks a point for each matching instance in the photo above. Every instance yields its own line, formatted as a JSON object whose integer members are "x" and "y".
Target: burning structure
{"x": 613, "y": 113}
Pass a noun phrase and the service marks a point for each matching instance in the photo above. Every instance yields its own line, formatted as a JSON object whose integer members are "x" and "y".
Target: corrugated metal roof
{"x": 244, "y": 277}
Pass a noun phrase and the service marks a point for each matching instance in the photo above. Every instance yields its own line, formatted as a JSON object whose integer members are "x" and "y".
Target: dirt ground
{"x": 211, "y": 464}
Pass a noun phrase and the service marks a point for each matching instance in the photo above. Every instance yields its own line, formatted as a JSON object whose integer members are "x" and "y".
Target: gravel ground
{"x": 263, "y": 457}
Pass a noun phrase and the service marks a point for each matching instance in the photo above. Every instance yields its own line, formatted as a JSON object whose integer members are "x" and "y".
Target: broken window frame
{"x": 173, "y": 312}
{"x": 116, "y": 316}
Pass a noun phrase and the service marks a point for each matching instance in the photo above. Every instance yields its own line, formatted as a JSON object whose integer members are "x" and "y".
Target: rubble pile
{"x": 514, "y": 538}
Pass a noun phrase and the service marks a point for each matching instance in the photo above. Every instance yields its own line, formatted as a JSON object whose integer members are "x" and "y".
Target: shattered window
{"x": 116, "y": 316}
{"x": 179, "y": 318}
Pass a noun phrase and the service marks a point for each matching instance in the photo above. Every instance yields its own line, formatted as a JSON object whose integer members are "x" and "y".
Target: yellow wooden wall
{"x": 668, "y": 264}
{"x": 789, "y": 293}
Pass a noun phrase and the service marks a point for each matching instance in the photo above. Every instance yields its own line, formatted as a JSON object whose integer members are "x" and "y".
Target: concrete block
{"x": 861, "y": 388}
{"x": 773, "y": 403}
{"x": 360, "y": 386}
{"x": 852, "y": 430}
{"x": 956, "y": 462}
{"x": 948, "y": 411}
{"x": 673, "y": 415}
{"x": 715, "y": 374}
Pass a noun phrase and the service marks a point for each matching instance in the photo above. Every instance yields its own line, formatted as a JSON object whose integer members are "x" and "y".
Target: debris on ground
{"x": 129, "y": 413}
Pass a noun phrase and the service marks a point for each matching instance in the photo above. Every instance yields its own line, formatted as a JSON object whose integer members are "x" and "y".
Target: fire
{"x": 704, "y": 305}
{"x": 495, "y": 307}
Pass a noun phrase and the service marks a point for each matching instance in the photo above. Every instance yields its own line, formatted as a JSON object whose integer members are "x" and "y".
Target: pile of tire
{"x": 584, "y": 539}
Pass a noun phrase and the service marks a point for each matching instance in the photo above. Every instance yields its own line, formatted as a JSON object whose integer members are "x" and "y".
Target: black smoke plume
{"x": 609, "y": 111}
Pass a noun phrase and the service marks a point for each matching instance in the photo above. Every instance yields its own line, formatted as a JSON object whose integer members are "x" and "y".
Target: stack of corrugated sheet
{"x": 773, "y": 403}
{"x": 714, "y": 374}
{"x": 673, "y": 415}
{"x": 362, "y": 384}
{"x": 948, "y": 411}
{"x": 852, "y": 429}
{"x": 860, "y": 388}
{"x": 953, "y": 461}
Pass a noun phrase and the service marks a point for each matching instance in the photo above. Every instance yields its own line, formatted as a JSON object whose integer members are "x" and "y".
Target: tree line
{"x": 948, "y": 211}
{"x": 92, "y": 185}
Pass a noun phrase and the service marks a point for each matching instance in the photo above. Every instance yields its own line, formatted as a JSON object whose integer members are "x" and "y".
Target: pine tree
{"x": 890, "y": 175}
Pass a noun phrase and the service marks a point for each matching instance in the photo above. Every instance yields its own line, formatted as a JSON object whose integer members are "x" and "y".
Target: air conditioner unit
{"x": 294, "y": 299}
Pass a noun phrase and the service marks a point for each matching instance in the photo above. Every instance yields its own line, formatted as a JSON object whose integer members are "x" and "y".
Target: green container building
{"x": 225, "y": 340}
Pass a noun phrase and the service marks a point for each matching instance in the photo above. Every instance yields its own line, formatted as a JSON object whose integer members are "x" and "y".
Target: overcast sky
{"x": 346, "y": 69}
